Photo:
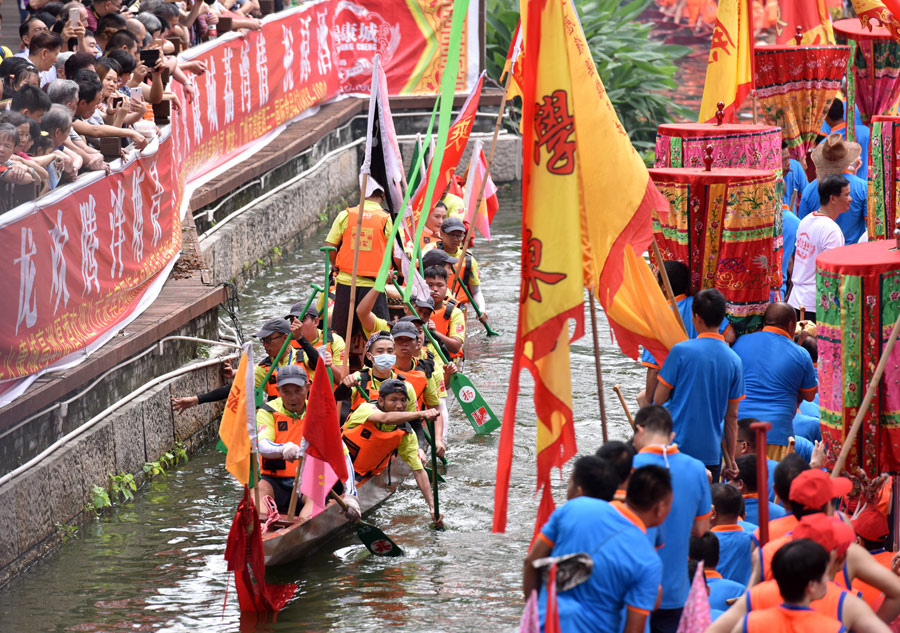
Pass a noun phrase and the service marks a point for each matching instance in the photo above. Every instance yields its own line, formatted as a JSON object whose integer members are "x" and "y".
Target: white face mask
{"x": 383, "y": 362}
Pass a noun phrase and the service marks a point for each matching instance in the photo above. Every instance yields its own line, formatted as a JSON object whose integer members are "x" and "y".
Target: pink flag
{"x": 530, "y": 621}
{"x": 473, "y": 185}
{"x": 316, "y": 480}
{"x": 695, "y": 617}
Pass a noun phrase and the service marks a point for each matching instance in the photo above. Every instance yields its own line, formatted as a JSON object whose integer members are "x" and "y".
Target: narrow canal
{"x": 156, "y": 564}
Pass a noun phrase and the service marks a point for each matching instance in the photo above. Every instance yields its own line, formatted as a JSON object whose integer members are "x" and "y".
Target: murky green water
{"x": 156, "y": 564}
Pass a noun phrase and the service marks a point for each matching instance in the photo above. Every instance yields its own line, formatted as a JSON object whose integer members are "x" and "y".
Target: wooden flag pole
{"x": 618, "y": 390}
{"x": 667, "y": 284}
{"x": 762, "y": 479}
{"x": 292, "y": 508}
{"x": 597, "y": 366}
{"x": 867, "y": 400}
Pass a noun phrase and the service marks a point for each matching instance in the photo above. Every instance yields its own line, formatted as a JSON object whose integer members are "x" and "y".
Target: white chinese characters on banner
{"x": 137, "y": 222}
{"x": 212, "y": 97}
{"x": 245, "y": 77}
{"x": 155, "y": 204}
{"x": 59, "y": 235}
{"x": 117, "y": 230}
{"x": 228, "y": 91}
{"x": 305, "y": 68}
{"x": 262, "y": 69}
{"x": 89, "y": 245}
{"x": 288, "y": 59}
{"x": 27, "y": 272}
{"x": 323, "y": 59}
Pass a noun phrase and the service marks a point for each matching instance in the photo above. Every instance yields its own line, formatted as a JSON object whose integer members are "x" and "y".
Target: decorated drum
{"x": 738, "y": 146}
{"x": 884, "y": 168}
{"x": 858, "y": 293}
{"x": 795, "y": 85}
{"x": 725, "y": 224}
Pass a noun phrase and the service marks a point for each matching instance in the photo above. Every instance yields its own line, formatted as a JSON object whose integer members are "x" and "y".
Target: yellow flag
{"x": 240, "y": 413}
{"x": 883, "y": 12}
{"x": 729, "y": 72}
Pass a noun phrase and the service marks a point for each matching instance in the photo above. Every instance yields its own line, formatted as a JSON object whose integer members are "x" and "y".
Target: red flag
{"x": 246, "y": 558}
{"x": 457, "y": 138}
{"x": 321, "y": 427}
{"x": 810, "y": 15}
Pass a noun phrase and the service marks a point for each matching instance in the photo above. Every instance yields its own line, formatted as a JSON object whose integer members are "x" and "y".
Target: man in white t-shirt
{"x": 817, "y": 233}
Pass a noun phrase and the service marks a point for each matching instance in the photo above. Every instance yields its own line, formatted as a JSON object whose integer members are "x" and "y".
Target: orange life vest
{"x": 370, "y": 447}
{"x": 766, "y": 595}
{"x": 272, "y": 385}
{"x": 372, "y": 241}
{"x": 870, "y": 594}
{"x": 788, "y": 619}
{"x": 287, "y": 429}
{"x": 418, "y": 377}
{"x": 465, "y": 275}
{"x": 367, "y": 384}
{"x": 310, "y": 371}
{"x": 441, "y": 320}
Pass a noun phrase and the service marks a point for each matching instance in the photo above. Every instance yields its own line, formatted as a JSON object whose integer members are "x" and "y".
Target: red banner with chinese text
{"x": 88, "y": 258}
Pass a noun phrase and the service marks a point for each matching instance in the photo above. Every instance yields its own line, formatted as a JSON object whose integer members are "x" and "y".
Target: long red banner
{"x": 86, "y": 259}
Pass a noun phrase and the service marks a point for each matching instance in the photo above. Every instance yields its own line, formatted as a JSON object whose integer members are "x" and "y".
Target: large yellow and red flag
{"x": 884, "y": 12}
{"x": 239, "y": 419}
{"x": 587, "y": 201}
{"x": 729, "y": 71}
{"x": 810, "y": 15}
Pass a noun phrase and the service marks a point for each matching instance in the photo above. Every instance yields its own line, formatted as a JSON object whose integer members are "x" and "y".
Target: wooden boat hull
{"x": 298, "y": 540}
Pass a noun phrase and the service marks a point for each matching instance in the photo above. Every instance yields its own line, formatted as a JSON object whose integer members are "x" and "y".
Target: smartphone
{"x": 136, "y": 93}
{"x": 116, "y": 102}
{"x": 149, "y": 57}
{"x": 74, "y": 16}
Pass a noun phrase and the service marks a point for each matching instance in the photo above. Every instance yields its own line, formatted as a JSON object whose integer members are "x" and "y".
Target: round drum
{"x": 725, "y": 224}
{"x": 738, "y": 146}
{"x": 858, "y": 290}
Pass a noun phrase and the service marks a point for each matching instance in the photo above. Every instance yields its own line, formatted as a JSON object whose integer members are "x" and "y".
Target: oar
{"x": 477, "y": 411}
{"x": 618, "y": 390}
{"x": 374, "y": 539}
{"x": 325, "y": 311}
{"x": 487, "y": 326}
{"x": 430, "y": 441}
{"x": 434, "y": 479}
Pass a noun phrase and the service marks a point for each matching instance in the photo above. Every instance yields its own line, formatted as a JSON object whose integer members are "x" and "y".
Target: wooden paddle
{"x": 477, "y": 411}
{"x": 487, "y": 326}
{"x": 374, "y": 539}
{"x": 618, "y": 390}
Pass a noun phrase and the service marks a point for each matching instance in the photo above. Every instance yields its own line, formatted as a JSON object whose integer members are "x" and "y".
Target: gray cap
{"x": 291, "y": 375}
{"x": 404, "y": 328}
{"x": 453, "y": 224}
{"x": 427, "y": 302}
{"x": 392, "y": 385}
{"x": 273, "y": 326}
{"x": 437, "y": 257}
{"x": 412, "y": 319}
{"x": 297, "y": 311}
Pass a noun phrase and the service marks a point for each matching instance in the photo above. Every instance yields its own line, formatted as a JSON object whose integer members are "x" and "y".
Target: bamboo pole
{"x": 597, "y": 367}
{"x": 618, "y": 390}
{"x": 667, "y": 284}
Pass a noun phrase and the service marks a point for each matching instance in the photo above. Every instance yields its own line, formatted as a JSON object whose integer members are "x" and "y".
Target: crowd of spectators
{"x": 80, "y": 91}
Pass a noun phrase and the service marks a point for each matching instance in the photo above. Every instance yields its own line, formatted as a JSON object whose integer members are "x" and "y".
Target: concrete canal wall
{"x": 54, "y": 449}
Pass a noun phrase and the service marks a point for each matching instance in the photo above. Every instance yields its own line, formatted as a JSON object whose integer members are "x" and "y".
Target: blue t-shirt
{"x": 691, "y": 501}
{"x": 735, "y": 551}
{"x": 810, "y": 408}
{"x": 794, "y": 180}
{"x": 789, "y": 224}
{"x": 851, "y": 222}
{"x": 627, "y": 572}
{"x": 685, "y": 308}
{"x": 751, "y": 507}
{"x": 803, "y": 447}
{"x": 704, "y": 374}
{"x": 807, "y": 427}
{"x": 747, "y": 526}
{"x": 776, "y": 369}
{"x": 721, "y": 590}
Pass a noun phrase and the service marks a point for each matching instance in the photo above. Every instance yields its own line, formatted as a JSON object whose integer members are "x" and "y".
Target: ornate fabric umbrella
{"x": 794, "y": 87}
{"x": 746, "y": 146}
{"x": 858, "y": 290}
{"x": 874, "y": 84}
{"x": 726, "y": 226}
{"x": 883, "y": 177}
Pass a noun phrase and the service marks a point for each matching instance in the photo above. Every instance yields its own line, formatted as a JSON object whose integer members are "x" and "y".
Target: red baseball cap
{"x": 814, "y": 488}
{"x": 828, "y": 531}
{"x": 871, "y": 525}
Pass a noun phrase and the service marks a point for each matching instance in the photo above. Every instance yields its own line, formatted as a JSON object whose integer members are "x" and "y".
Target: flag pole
{"x": 667, "y": 284}
{"x": 457, "y": 279}
{"x": 597, "y": 366}
{"x": 752, "y": 61}
{"x": 366, "y": 167}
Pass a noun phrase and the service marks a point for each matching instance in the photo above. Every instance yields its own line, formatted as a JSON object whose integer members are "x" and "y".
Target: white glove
{"x": 291, "y": 451}
{"x": 352, "y": 512}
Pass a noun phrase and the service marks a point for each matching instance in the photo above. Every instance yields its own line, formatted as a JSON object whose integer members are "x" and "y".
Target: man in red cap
{"x": 813, "y": 491}
{"x": 835, "y": 537}
{"x": 872, "y": 528}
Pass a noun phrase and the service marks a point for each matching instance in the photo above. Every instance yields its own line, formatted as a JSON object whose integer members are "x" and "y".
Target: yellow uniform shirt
{"x": 474, "y": 278}
{"x": 337, "y": 348}
{"x": 438, "y": 374}
{"x": 290, "y": 355}
{"x": 409, "y": 445}
{"x": 265, "y": 421}
{"x": 381, "y": 325}
{"x": 338, "y": 228}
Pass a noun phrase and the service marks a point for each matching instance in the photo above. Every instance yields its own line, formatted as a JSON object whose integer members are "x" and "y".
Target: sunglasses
{"x": 269, "y": 340}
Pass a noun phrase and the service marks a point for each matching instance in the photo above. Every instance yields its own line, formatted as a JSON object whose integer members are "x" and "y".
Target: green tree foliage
{"x": 636, "y": 70}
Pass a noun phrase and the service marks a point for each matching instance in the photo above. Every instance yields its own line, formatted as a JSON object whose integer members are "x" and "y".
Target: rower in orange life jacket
{"x": 375, "y": 430}
{"x": 453, "y": 232}
{"x": 307, "y": 327}
{"x": 279, "y": 425}
{"x": 800, "y": 569}
{"x": 272, "y": 336}
{"x": 448, "y": 323}
{"x": 376, "y": 227}
{"x": 432, "y": 231}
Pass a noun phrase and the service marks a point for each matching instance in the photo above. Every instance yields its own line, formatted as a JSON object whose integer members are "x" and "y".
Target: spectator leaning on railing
{"x": 30, "y": 101}
{"x": 65, "y": 92}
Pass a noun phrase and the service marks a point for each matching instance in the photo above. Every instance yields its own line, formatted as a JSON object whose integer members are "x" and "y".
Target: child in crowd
{"x": 735, "y": 544}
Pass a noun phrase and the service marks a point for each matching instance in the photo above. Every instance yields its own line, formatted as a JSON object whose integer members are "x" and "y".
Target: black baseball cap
{"x": 404, "y": 328}
{"x": 412, "y": 319}
{"x": 291, "y": 375}
{"x": 437, "y": 257}
{"x": 297, "y": 311}
{"x": 274, "y": 326}
{"x": 392, "y": 385}
{"x": 453, "y": 224}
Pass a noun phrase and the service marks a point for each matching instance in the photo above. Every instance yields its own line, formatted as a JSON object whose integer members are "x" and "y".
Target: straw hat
{"x": 834, "y": 155}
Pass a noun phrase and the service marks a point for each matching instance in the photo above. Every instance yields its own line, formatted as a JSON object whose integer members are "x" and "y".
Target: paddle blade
{"x": 473, "y": 405}
{"x": 377, "y": 541}
{"x": 431, "y": 475}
